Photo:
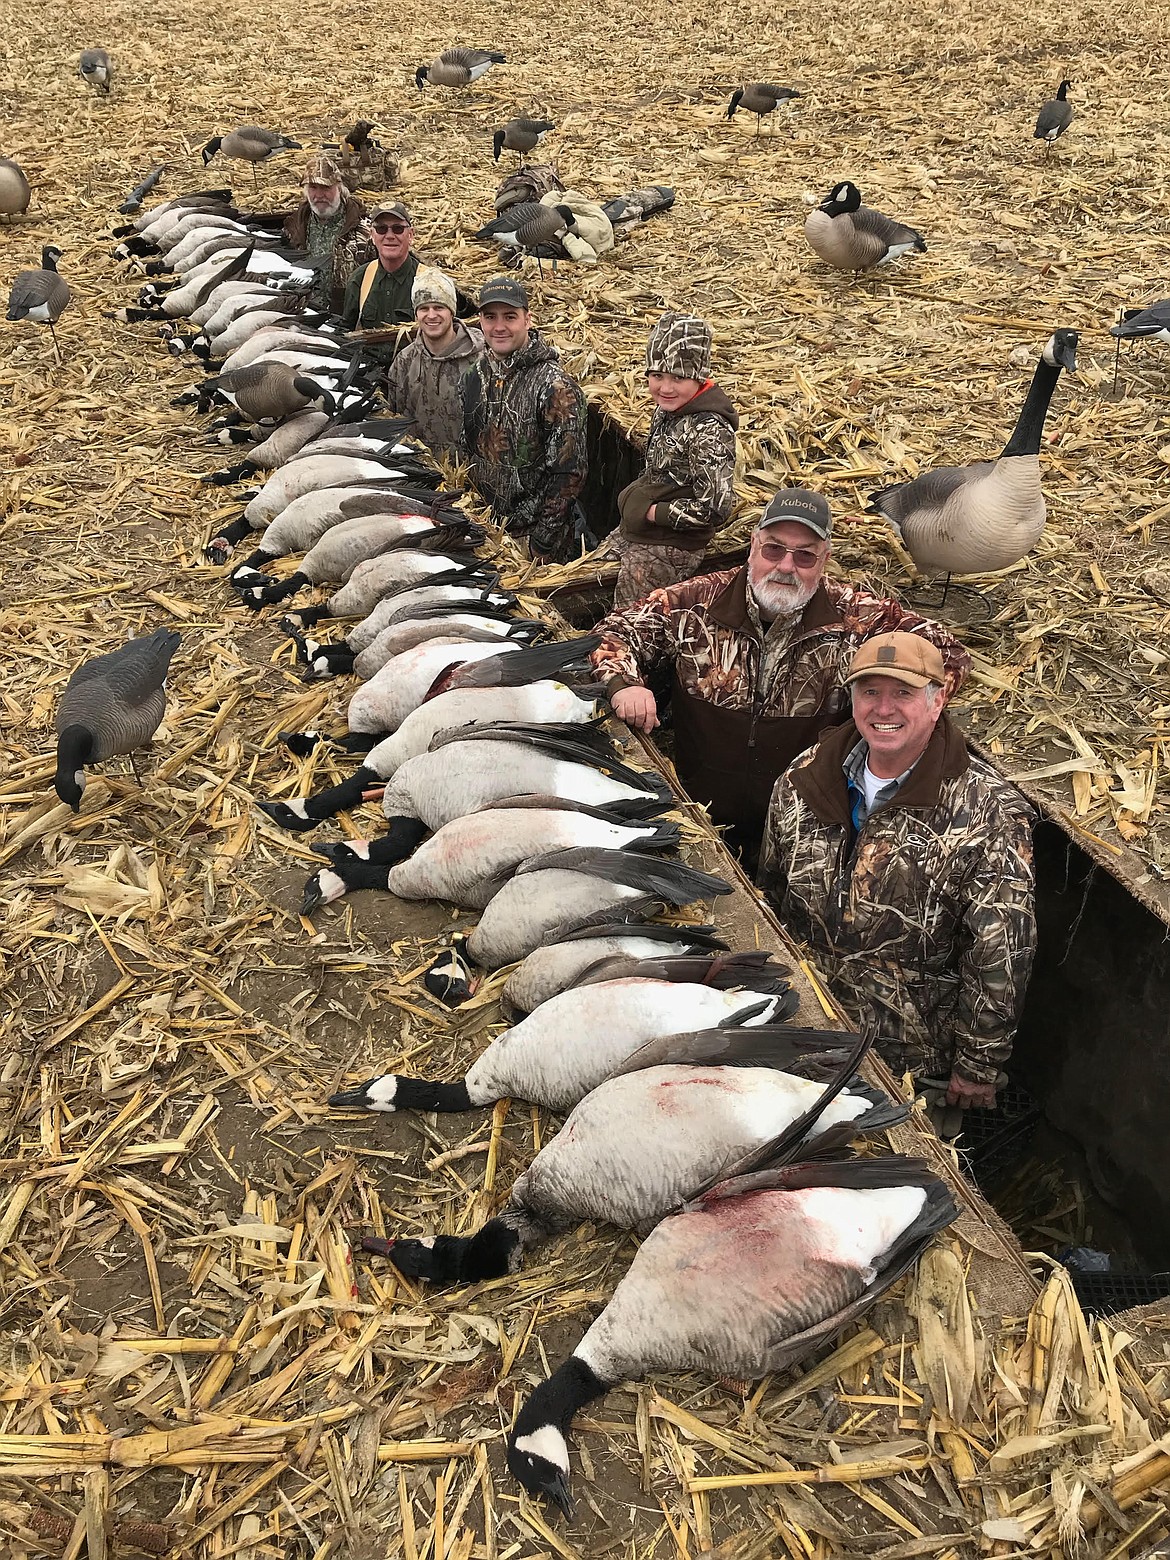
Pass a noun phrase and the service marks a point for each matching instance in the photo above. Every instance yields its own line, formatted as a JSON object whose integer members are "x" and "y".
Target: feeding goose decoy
{"x": 15, "y": 192}
{"x": 1149, "y": 324}
{"x": 853, "y": 237}
{"x": 251, "y": 143}
{"x": 266, "y": 392}
{"x": 520, "y": 136}
{"x": 41, "y": 295}
{"x": 530, "y": 227}
{"x": 97, "y": 68}
{"x": 744, "y": 1281}
{"x": 986, "y": 516}
{"x": 457, "y": 67}
{"x": 760, "y": 98}
{"x": 112, "y": 704}
{"x": 1054, "y": 117}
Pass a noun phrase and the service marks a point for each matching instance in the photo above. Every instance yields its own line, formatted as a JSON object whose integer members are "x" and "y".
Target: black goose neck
{"x": 1025, "y": 439}
{"x": 558, "y": 1400}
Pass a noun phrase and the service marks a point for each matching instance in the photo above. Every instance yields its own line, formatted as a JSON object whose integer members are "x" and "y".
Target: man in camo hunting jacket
{"x": 904, "y": 863}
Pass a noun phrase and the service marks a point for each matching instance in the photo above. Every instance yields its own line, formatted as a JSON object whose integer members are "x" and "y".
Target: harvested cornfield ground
{"x": 186, "y": 1366}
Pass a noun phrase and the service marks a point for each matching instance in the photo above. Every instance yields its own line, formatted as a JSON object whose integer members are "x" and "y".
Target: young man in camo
{"x": 670, "y": 513}
{"x": 426, "y": 378}
{"x": 904, "y": 863}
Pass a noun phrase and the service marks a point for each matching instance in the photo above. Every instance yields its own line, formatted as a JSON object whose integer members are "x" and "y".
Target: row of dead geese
{"x": 756, "y": 1252}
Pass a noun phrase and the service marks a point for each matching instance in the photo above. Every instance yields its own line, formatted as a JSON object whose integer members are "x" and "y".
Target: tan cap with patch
{"x": 907, "y": 658}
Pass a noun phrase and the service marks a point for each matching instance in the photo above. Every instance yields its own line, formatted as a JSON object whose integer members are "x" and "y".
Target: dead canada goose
{"x": 97, "y": 68}
{"x": 986, "y": 516}
{"x": 520, "y": 136}
{"x": 1054, "y": 117}
{"x": 251, "y": 143}
{"x": 457, "y": 67}
{"x": 41, "y": 295}
{"x": 530, "y": 227}
{"x": 15, "y": 193}
{"x": 760, "y": 98}
{"x": 853, "y": 237}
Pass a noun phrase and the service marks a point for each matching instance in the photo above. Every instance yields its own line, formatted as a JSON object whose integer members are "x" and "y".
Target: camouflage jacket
{"x": 689, "y": 475}
{"x": 923, "y": 920}
{"x": 524, "y": 430}
{"x": 428, "y": 386}
{"x": 340, "y": 245}
{"x": 709, "y": 629}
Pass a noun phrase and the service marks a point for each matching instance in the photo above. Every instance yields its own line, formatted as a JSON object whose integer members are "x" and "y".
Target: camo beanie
{"x": 680, "y": 344}
{"x": 431, "y": 286}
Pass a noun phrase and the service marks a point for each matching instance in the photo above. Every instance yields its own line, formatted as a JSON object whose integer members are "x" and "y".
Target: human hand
{"x": 966, "y": 1094}
{"x": 636, "y": 707}
{"x": 650, "y": 513}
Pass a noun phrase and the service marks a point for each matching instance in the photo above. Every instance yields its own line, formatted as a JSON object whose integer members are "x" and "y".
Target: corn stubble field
{"x": 186, "y": 1365}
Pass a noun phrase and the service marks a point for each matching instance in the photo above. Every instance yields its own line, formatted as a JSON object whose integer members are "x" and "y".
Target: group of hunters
{"x": 808, "y": 715}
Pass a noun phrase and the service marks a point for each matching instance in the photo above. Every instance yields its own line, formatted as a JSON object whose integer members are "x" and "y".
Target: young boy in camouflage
{"x": 670, "y": 513}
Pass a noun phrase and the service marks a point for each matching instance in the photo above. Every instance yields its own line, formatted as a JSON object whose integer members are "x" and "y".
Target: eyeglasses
{"x": 397, "y": 228}
{"x": 802, "y": 557}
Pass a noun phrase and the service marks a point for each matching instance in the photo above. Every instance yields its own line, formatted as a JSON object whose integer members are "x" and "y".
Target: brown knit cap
{"x": 680, "y": 344}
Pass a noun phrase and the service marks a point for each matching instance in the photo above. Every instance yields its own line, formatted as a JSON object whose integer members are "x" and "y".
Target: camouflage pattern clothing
{"x": 524, "y": 430}
{"x": 922, "y": 917}
{"x": 646, "y": 567}
{"x": 339, "y": 242}
{"x": 428, "y": 386}
{"x": 689, "y": 476}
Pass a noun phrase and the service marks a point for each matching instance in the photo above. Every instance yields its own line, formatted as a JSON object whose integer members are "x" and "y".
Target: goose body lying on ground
{"x": 974, "y": 519}
{"x": 556, "y": 1055}
{"x": 161, "y": 220}
{"x": 382, "y": 576}
{"x": 743, "y": 1282}
{"x": 343, "y": 547}
{"x": 853, "y": 237}
{"x": 643, "y": 1142}
{"x": 437, "y": 624}
{"x": 467, "y": 860}
{"x": 558, "y": 893}
{"x": 112, "y": 704}
{"x": 468, "y": 594}
{"x": 554, "y": 967}
{"x": 271, "y": 449}
{"x": 326, "y": 470}
{"x": 464, "y": 771}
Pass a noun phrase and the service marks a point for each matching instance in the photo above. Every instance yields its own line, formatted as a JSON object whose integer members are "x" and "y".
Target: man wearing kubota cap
{"x": 904, "y": 863}
{"x": 757, "y": 659}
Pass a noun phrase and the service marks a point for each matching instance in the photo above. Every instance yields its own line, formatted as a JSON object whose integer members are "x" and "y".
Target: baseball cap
{"x": 391, "y": 209}
{"x": 503, "y": 289}
{"x": 802, "y": 505}
{"x": 907, "y": 658}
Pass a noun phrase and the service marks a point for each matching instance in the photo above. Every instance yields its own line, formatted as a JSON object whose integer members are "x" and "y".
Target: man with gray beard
{"x": 757, "y": 659}
{"x": 327, "y": 225}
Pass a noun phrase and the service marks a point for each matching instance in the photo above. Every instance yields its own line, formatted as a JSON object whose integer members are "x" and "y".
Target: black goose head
{"x": 842, "y": 198}
{"x": 211, "y": 148}
{"x": 74, "y": 748}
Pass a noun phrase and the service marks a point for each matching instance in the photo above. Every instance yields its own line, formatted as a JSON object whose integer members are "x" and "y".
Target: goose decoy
{"x": 1149, "y": 324}
{"x": 520, "y": 136}
{"x": 41, "y": 295}
{"x": 266, "y": 392}
{"x": 1054, "y": 117}
{"x": 853, "y": 237}
{"x": 531, "y": 228}
{"x": 15, "y": 192}
{"x": 573, "y": 1042}
{"x": 760, "y": 98}
{"x": 97, "y": 68}
{"x": 251, "y": 143}
{"x": 112, "y": 704}
{"x": 457, "y": 67}
{"x": 746, "y": 1280}
{"x": 986, "y": 516}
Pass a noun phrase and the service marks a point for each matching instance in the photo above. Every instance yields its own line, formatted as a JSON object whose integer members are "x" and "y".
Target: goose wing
{"x": 875, "y": 224}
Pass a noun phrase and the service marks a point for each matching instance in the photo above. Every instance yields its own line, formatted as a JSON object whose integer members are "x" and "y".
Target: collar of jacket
{"x": 535, "y": 350}
{"x": 821, "y": 782}
{"x": 712, "y": 400}
{"x": 730, "y": 607}
{"x": 463, "y": 346}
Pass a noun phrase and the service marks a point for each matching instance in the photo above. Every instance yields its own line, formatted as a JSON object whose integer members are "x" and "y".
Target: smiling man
{"x": 904, "y": 863}
{"x": 524, "y": 428}
{"x": 327, "y": 226}
{"x": 426, "y": 381}
{"x": 757, "y": 657}
{"x": 377, "y": 295}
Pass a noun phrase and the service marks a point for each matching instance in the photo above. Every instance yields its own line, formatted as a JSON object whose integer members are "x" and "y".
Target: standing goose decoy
{"x": 986, "y": 516}
{"x": 1054, "y": 117}
{"x": 746, "y": 1280}
{"x": 97, "y": 68}
{"x": 41, "y": 295}
{"x": 251, "y": 143}
{"x": 1149, "y": 324}
{"x": 760, "y": 98}
{"x": 531, "y": 228}
{"x": 457, "y": 67}
{"x": 112, "y": 704}
{"x": 15, "y": 192}
{"x": 853, "y": 237}
{"x": 520, "y": 136}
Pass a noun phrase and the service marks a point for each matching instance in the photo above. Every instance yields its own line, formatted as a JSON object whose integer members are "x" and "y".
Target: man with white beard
{"x": 327, "y": 226}
{"x": 757, "y": 659}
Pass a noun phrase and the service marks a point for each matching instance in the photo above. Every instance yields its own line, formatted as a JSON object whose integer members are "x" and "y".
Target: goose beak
{"x": 1066, "y": 355}
{"x": 352, "y": 1099}
{"x": 557, "y": 1490}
